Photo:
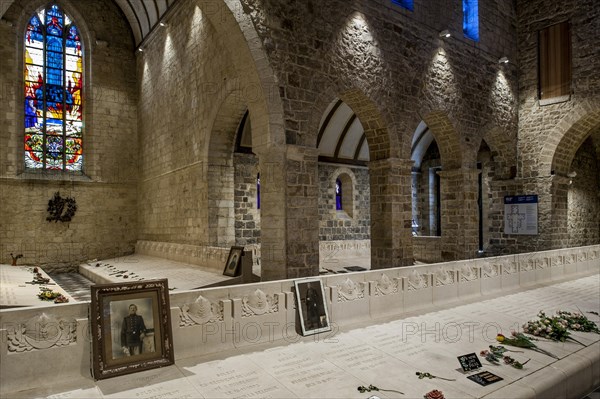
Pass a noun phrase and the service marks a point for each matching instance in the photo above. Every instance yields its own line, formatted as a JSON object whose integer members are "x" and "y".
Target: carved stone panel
{"x": 42, "y": 332}
{"x": 259, "y": 303}
{"x": 201, "y": 311}
{"x": 350, "y": 291}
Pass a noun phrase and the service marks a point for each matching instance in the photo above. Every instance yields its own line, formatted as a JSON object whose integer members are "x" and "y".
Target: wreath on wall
{"x": 61, "y": 209}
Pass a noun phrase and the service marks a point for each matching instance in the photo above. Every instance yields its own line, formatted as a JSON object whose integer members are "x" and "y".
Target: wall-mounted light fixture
{"x": 445, "y": 33}
{"x": 163, "y": 24}
{"x": 503, "y": 60}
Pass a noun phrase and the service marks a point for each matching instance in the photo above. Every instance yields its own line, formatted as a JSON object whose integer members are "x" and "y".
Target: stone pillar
{"x": 391, "y": 213}
{"x": 272, "y": 212}
{"x": 289, "y": 212}
{"x": 553, "y": 194}
{"x": 460, "y": 215}
{"x": 302, "y": 219}
{"x": 220, "y": 205}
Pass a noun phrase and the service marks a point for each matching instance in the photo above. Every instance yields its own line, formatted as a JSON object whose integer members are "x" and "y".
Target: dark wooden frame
{"x": 301, "y": 288}
{"x": 109, "y": 302}
{"x": 232, "y": 267}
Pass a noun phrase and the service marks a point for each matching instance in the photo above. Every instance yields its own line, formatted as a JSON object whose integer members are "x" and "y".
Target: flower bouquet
{"x": 576, "y": 321}
{"x": 553, "y": 328}
{"x": 46, "y": 294}
{"x": 520, "y": 340}
{"x": 495, "y": 353}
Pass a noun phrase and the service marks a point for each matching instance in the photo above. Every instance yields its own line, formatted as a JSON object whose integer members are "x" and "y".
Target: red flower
{"x": 435, "y": 394}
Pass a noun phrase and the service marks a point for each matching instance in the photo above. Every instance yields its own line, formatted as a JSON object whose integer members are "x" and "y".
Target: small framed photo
{"x": 234, "y": 261}
{"x": 131, "y": 327}
{"x": 312, "y": 309}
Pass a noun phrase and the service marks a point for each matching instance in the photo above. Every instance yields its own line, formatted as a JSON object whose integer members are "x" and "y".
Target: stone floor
{"x": 74, "y": 284}
{"x": 386, "y": 353}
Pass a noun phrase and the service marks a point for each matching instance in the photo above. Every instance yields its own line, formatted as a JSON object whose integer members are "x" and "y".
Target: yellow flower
{"x": 500, "y": 338}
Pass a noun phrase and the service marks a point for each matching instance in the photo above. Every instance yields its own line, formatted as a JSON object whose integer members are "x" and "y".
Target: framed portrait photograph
{"x": 312, "y": 309}
{"x": 234, "y": 262}
{"x": 131, "y": 327}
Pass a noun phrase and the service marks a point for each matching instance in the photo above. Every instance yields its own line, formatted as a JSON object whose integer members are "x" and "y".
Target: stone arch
{"x": 258, "y": 84}
{"x": 563, "y": 152}
{"x": 220, "y": 170}
{"x": 446, "y": 138}
{"x": 349, "y": 186}
{"x": 503, "y": 150}
{"x": 378, "y": 125}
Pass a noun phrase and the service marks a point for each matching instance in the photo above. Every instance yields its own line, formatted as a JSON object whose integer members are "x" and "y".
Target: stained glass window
{"x": 53, "y": 86}
{"x": 471, "y": 19}
{"x": 408, "y": 4}
{"x": 338, "y": 195}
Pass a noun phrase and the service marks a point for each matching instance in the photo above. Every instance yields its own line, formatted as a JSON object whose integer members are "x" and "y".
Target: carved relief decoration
{"x": 444, "y": 277}
{"x": 510, "y": 268}
{"x": 385, "y": 285}
{"x": 542, "y": 263}
{"x": 557, "y": 261}
{"x": 490, "y": 270}
{"x": 350, "y": 291}
{"x": 259, "y": 303}
{"x": 42, "y": 332}
{"x": 201, "y": 311}
{"x": 417, "y": 281}
{"x": 469, "y": 273}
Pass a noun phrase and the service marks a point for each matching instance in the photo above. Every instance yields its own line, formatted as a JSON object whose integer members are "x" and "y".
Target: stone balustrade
{"x": 43, "y": 343}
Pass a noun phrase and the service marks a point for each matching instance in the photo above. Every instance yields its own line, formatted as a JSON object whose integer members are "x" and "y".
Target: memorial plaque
{"x": 469, "y": 362}
{"x": 485, "y": 378}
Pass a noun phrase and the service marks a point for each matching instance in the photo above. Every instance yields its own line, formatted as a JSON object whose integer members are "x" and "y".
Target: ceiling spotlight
{"x": 445, "y": 33}
{"x": 163, "y": 24}
{"x": 503, "y": 60}
{"x": 140, "y": 49}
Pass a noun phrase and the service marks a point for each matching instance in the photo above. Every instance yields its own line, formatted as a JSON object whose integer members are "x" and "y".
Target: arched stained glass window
{"x": 338, "y": 195}
{"x": 53, "y": 92}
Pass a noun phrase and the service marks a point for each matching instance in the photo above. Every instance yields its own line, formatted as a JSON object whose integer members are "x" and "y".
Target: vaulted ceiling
{"x": 143, "y": 15}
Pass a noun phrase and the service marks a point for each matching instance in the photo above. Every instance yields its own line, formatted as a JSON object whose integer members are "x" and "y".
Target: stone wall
{"x": 105, "y": 223}
{"x": 550, "y": 135}
{"x": 247, "y": 214}
{"x": 584, "y": 198}
{"x": 346, "y": 224}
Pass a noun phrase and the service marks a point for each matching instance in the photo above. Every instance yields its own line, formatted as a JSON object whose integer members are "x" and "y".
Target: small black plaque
{"x": 485, "y": 378}
{"x": 469, "y": 362}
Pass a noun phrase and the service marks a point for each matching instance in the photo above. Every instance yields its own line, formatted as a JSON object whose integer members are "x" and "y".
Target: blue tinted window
{"x": 471, "y": 19}
{"x": 408, "y": 4}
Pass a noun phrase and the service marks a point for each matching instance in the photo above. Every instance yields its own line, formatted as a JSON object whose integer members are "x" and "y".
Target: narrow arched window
{"x": 53, "y": 92}
{"x": 338, "y": 195}
{"x": 471, "y": 19}
{"x": 258, "y": 191}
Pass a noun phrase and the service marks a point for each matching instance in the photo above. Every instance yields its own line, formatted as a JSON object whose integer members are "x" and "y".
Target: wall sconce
{"x": 445, "y": 33}
{"x": 503, "y": 60}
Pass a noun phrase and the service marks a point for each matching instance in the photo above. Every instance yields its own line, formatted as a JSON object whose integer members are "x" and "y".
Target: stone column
{"x": 553, "y": 193}
{"x": 302, "y": 219}
{"x": 289, "y": 212}
{"x": 272, "y": 212}
{"x": 391, "y": 213}
{"x": 460, "y": 215}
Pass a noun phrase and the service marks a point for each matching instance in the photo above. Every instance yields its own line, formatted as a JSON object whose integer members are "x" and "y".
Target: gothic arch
{"x": 563, "y": 152}
{"x": 258, "y": 83}
{"x": 446, "y": 138}
{"x": 503, "y": 150}
{"x": 220, "y": 169}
